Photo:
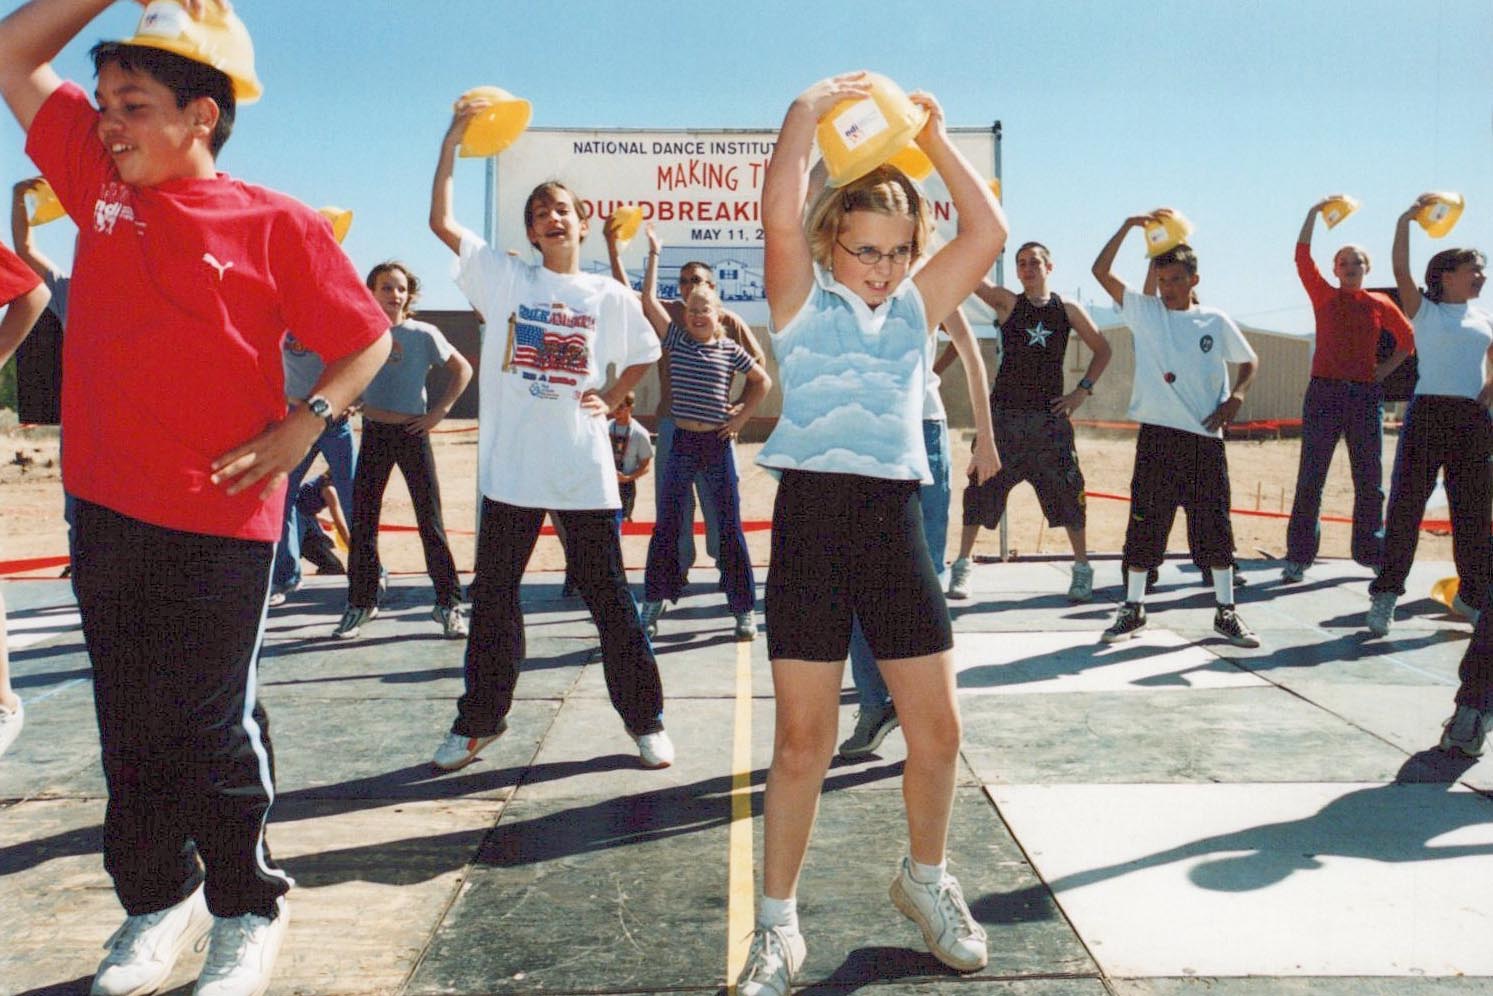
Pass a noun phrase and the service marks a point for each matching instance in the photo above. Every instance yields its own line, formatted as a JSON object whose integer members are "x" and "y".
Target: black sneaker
{"x": 1227, "y": 624}
{"x": 1130, "y": 620}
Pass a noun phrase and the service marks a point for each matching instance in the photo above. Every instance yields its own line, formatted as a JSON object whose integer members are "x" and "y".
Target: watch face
{"x": 320, "y": 407}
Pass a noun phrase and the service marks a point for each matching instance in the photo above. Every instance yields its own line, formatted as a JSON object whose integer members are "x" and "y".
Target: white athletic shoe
{"x": 241, "y": 953}
{"x": 11, "y": 721}
{"x": 959, "y": 572}
{"x": 655, "y": 750}
{"x": 144, "y": 949}
{"x": 772, "y": 961}
{"x": 457, "y": 751}
{"x": 949, "y": 929}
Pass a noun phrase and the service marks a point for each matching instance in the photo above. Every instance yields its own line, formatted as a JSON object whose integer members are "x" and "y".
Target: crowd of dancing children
{"x": 856, "y": 289}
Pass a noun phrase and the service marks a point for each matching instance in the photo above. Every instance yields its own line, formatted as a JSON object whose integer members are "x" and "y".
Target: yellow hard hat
{"x": 341, "y": 220}
{"x": 43, "y": 203}
{"x": 217, "y": 38}
{"x": 497, "y": 127}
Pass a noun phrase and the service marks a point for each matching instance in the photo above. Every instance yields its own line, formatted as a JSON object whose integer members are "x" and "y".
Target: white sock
{"x": 926, "y": 874}
{"x": 1135, "y": 586}
{"x": 779, "y": 913}
{"x": 1223, "y": 586}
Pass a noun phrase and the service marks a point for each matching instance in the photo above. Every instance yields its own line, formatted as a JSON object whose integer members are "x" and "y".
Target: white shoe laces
{"x": 768, "y": 957}
{"x": 950, "y": 900}
{"x": 126, "y": 939}
{"x": 227, "y": 941}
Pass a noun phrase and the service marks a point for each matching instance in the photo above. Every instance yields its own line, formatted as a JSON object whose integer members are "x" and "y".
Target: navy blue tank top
{"x": 1034, "y": 340}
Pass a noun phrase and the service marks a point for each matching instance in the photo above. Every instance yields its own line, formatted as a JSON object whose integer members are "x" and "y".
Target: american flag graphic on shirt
{"x": 539, "y": 347}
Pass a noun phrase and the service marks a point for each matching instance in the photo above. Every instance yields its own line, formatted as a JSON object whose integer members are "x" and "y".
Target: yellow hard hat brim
{"x": 246, "y": 88}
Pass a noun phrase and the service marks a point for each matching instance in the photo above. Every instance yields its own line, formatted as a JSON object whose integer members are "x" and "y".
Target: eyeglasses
{"x": 902, "y": 255}
{"x": 697, "y": 279}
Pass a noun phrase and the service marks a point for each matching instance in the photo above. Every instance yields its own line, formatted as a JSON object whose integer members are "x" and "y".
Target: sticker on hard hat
{"x": 163, "y": 19}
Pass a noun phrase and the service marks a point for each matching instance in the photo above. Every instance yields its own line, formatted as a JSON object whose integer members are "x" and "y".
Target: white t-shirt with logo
{"x": 1451, "y": 346}
{"x": 1195, "y": 348}
{"x": 549, "y": 338}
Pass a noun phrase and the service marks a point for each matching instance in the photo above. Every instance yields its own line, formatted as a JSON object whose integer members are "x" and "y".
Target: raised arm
{"x": 1088, "y": 334}
{"x": 789, "y": 265}
{"x": 1399, "y": 258}
{"x": 987, "y": 459}
{"x": 957, "y": 268}
{"x": 442, "y": 199}
{"x": 20, "y": 233}
{"x": 1103, "y": 268}
{"x": 1309, "y": 225}
{"x": 30, "y": 38}
{"x": 20, "y": 317}
{"x": 653, "y": 309}
{"x": 614, "y": 253}
{"x": 1000, "y": 300}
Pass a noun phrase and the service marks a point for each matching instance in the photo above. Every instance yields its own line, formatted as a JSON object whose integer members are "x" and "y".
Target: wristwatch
{"x": 320, "y": 407}
{"x": 1087, "y": 385}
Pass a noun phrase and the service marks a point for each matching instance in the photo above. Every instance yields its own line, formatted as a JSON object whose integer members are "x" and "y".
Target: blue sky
{"x": 1240, "y": 115}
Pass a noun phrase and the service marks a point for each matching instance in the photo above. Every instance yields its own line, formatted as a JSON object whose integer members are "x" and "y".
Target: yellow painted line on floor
{"x": 740, "y": 890}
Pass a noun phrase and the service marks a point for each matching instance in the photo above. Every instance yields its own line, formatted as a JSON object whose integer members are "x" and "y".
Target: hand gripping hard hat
{"x": 216, "y": 38}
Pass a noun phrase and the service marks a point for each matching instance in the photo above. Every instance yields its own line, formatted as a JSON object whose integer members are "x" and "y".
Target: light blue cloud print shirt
{"x": 853, "y": 385}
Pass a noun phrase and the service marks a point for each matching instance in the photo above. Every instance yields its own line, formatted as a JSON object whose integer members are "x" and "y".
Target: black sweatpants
{"x": 173, "y": 622}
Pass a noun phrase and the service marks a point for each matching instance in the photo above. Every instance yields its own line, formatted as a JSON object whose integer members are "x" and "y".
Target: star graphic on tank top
{"x": 1038, "y": 336}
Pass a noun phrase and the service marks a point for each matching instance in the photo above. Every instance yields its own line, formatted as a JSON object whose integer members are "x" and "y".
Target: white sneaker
{"x": 655, "y": 750}
{"x": 11, "y": 721}
{"x": 241, "y": 953}
{"x": 1081, "y": 587}
{"x": 772, "y": 961}
{"x": 457, "y": 751}
{"x": 1465, "y": 732}
{"x": 453, "y": 623}
{"x": 352, "y": 622}
{"x": 959, "y": 578}
{"x": 949, "y": 928}
{"x": 145, "y": 947}
{"x": 1381, "y": 612}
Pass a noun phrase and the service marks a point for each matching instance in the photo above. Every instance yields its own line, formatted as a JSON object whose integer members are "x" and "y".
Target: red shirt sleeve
{"x": 1393, "y": 321}
{"x": 16, "y": 278}
{"x": 321, "y": 295}
{"x": 64, "y": 144}
{"x": 1317, "y": 288}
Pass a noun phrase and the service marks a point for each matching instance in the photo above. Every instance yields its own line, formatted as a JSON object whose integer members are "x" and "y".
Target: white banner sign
{"x": 701, "y": 190}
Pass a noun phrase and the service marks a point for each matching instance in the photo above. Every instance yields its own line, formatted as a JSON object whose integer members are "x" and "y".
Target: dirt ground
{"x": 1262, "y": 473}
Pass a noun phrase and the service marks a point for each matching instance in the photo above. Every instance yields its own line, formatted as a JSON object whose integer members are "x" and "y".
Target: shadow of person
{"x": 1396, "y": 823}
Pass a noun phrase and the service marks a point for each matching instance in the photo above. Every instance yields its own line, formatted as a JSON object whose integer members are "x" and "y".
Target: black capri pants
{"x": 1175, "y": 468}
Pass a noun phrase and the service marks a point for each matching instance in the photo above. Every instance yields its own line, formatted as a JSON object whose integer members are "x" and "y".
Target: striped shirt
{"x": 701, "y": 375}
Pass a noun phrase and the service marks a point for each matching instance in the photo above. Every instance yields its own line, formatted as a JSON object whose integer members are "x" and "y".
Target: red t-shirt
{"x": 181, "y": 294}
{"x": 16, "y": 278}
{"x": 1348, "y": 324}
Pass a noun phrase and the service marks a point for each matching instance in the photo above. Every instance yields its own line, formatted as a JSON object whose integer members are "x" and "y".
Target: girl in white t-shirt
{"x": 1447, "y": 428}
{"x": 850, "y": 333}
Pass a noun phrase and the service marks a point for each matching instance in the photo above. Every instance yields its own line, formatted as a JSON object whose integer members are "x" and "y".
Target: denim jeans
{"x": 699, "y": 456}
{"x": 1454, "y": 436}
{"x": 1336, "y": 409}
{"x": 336, "y": 444}
{"x": 935, "y": 499}
{"x": 496, "y": 647}
{"x": 701, "y": 490}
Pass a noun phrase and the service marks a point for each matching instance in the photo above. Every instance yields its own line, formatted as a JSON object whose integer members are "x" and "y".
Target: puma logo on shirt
{"x": 212, "y": 261}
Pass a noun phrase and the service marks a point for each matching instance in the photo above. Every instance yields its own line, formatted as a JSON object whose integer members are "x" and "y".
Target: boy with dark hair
{"x": 202, "y": 273}
{"x": 1182, "y": 399}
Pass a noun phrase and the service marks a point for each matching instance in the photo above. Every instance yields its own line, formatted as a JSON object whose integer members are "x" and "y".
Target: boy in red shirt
{"x": 184, "y": 277}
